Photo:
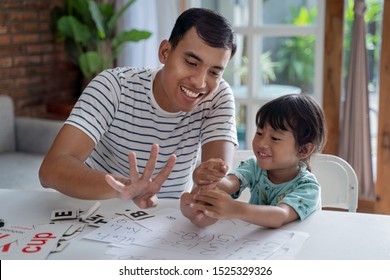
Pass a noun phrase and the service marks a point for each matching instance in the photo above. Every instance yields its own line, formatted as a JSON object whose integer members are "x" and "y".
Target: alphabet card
{"x": 12, "y": 233}
{"x": 9, "y": 236}
{"x": 37, "y": 244}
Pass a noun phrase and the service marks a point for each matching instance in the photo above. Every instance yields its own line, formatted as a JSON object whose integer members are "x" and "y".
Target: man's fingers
{"x": 134, "y": 175}
{"x": 146, "y": 202}
{"x": 164, "y": 173}
{"x": 115, "y": 184}
{"x": 151, "y": 163}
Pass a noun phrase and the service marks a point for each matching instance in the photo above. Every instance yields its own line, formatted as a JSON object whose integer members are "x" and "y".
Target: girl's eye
{"x": 275, "y": 138}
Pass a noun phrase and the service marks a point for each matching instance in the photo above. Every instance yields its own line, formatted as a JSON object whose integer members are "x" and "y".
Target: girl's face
{"x": 192, "y": 71}
{"x": 276, "y": 152}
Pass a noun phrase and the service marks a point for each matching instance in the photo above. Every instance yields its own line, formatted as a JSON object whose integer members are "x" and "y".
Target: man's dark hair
{"x": 212, "y": 28}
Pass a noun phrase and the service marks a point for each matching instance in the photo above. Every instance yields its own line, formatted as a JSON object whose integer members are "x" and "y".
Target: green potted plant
{"x": 87, "y": 28}
{"x": 296, "y": 54}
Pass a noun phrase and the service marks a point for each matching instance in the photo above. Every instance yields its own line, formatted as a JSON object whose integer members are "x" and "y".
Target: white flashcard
{"x": 97, "y": 222}
{"x": 63, "y": 214}
{"x": 138, "y": 215}
{"x": 39, "y": 242}
{"x": 7, "y": 249}
{"x": 12, "y": 233}
{"x": 60, "y": 246}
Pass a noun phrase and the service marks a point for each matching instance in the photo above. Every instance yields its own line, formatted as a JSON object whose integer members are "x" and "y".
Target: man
{"x": 135, "y": 133}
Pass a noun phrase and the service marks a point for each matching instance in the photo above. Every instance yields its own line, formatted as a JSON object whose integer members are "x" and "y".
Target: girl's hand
{"x": 216, "y": 204}
{"x": 197, "y": 217}
{"x": 210, "y": 171}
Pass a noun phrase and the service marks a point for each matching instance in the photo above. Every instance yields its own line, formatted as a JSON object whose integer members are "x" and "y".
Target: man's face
{"x": 192, "y": 71}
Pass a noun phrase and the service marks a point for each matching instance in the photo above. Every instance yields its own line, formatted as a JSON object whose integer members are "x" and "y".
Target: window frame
{"x": 253, "y": 31}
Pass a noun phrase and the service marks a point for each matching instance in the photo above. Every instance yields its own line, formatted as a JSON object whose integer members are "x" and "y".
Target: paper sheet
{"x": 174, "y": 236}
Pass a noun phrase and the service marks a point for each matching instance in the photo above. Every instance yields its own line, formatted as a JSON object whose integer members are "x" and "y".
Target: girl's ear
{"x": 306, "y": 150}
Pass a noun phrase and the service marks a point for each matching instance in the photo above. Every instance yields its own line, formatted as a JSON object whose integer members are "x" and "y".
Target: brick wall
{"x": 34, "y": 69}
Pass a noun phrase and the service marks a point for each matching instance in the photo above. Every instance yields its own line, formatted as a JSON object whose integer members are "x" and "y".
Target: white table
{"x": 333, "y": 235}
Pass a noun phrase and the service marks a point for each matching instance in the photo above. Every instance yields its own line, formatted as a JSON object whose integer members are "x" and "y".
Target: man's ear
{"x": 163, "y": 51}
{"x": 306, "y": 150}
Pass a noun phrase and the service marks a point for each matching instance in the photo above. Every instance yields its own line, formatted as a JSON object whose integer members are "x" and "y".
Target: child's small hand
{"x": 196, "y": 217}
{"x": 209, "y": 172}
{"x": 215, "y": 204}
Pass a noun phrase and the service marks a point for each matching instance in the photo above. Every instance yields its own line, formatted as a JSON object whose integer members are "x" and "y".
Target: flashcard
{"x": 63, "y": 214}
{"x": 93, "y": 218}
{"x": 39, "y": 242}
{"x": 85, "y": 215}
{"x": 135, "y": 215}
{"x": 60, "y": 246}
{"x": 73, "y": 231}
{"x": 12, "y": 233}
{"x": 97, "y": 222}
{"x": 138, "y": 215}
{"x": 7, "y": 249}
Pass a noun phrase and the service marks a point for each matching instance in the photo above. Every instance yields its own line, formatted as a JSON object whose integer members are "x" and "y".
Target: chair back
{"x": 339, "y": 183}
{"x": 241, "y": 155}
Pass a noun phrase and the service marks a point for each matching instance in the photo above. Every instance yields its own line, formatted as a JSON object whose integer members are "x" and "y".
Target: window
{"x": 280, "y": 47}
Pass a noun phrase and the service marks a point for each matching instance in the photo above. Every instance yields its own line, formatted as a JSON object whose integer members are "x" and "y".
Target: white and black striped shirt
{"x": 118, "y": 111}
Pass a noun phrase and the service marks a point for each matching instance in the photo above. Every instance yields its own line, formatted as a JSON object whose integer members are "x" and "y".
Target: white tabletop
{"x": 333, "y": 235}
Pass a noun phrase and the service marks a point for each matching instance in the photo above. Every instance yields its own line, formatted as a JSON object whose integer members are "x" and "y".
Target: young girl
{"x": 289, "y": 129}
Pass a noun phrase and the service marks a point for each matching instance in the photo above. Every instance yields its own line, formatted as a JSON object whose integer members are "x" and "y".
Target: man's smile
{"x": 190, "y": 93}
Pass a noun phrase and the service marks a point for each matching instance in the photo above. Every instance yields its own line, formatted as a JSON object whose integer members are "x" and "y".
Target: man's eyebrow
{"x": 193, "y": 55}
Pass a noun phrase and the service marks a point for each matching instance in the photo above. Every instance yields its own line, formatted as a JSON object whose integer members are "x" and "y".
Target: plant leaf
{"x": 133, "y": 35}
{"x": 90, "y": 64}
{"x": 98, "y": 19}
{"x": 112, "y": 22}
{"x": 72, "y": 28}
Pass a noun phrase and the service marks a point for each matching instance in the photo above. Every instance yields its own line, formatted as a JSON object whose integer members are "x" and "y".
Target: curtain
{"x": 155, "y": 16}
{"x": 355, "y": 144}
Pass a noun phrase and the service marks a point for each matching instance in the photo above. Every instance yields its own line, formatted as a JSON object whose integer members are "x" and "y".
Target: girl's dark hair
{"x": 212, "y": 28}
{"x": 298, "y": 113}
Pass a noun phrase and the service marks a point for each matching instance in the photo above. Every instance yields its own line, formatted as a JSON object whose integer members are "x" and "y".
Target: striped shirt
{"x": 119, "y": 113}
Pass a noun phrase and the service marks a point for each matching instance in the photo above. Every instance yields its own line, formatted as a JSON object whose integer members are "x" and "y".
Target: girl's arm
{"x": 218, "y": 204}
{"x": 229, "y": 184}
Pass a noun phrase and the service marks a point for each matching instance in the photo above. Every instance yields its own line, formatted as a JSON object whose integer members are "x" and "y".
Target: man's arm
{"x": 63, "y": 167}
{"x": 64, "y": 170}
{"x": 219, "y": 149}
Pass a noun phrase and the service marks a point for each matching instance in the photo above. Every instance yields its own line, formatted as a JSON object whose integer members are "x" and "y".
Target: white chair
{"x": 339, "y": 183}
{"x": 239, "y": 156}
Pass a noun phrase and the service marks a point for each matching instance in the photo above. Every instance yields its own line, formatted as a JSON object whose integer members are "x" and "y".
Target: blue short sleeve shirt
{"x": 303, "y": 193}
